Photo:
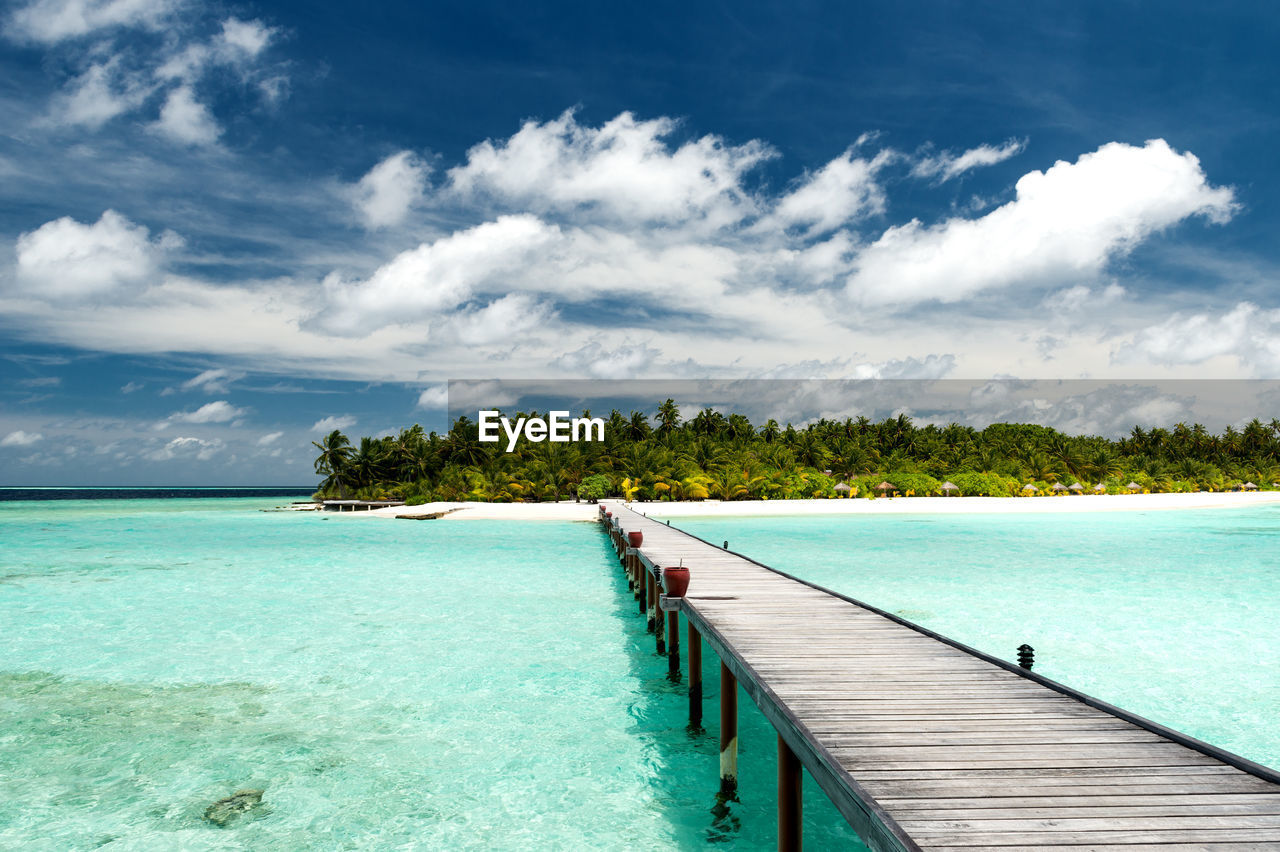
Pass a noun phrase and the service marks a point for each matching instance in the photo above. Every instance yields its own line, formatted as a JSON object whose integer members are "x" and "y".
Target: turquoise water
{"x": 1174, "y": 615}
{"x": 389, "y": 685}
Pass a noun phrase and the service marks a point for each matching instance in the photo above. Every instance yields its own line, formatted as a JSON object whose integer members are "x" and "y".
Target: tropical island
{"x": 726, "y": 457}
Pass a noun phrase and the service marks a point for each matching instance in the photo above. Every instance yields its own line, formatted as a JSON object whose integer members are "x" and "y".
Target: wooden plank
{"x": 925, "y": 744}
{"x": 1091, "y": 837}
{"x": 1121, "y": 847}
{"x": 1164, "y": 815}
{"x": 1013, "y": 823}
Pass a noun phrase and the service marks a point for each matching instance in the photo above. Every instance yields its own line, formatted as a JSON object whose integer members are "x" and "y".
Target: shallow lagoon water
{"x": 388, "y": 684}
{"x": 1174, "y": 615}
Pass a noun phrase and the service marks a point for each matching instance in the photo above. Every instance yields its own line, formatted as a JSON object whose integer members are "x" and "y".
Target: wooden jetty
{"x": 923, "y": 743}
{"x": 358, "y": 505}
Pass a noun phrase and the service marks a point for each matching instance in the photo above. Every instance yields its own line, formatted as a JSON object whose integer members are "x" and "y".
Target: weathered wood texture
{"x": 925, "y": 744}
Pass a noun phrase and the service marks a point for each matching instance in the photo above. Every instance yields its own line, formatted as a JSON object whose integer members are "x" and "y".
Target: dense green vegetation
{"x": 713, "y": 456}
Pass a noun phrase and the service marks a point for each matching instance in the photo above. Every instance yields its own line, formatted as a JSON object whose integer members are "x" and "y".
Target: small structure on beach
{"x": 885, "y": 486}
{"x": 844, "y": 487}
{"x": 1030, "y": 489}
{"x": 1100, "y": 488}
{"x": 1076, "y": 487}
{"x": 359, "y": 505}
{"x": 1059, "y": 488}
{"x": 948, "y": 487}
{"x": 1133, "y": 486}
{"x": 1248, "y": 486}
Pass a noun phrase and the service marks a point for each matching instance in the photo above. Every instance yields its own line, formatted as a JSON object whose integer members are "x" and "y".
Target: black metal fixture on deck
{"x": 1026, "y": 656}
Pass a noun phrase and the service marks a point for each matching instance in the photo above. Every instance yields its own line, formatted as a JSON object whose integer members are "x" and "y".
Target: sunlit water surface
{"x": 388, "y": 684}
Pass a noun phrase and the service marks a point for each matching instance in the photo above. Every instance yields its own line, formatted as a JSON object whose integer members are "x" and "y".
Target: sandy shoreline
{"x": 882, "y": 506}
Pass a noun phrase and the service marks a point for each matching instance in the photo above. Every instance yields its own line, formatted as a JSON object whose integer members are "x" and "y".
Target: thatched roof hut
{"x": 1076, "y": 487}
{"x": 949, "y": 486}
{"x": 1099, "y": 488}
{"x": 1029, "y": 489}
{"x": 1058, "y": 487}
{"x": 844, "y": 487}
{"x": 1133, "y": 486}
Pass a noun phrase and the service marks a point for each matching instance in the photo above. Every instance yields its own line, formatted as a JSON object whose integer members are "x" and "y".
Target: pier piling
{"x": 659, "y": 623}
{"x": 673, "y": 646}
{"x": 650, "y": 587}
{"x": 642, "y": 587}
{"x": 790, "y": 802}
{"x": 695, "y": 678}
{"x": 728, "y": 735}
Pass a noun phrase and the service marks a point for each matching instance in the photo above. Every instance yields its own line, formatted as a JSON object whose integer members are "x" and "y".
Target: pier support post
{"x": 659, "y": 620}
{"x": 650, "y": 586}
{"x": 790, "y": 803}
{"x": 728, "y": 735}
{"x": 642, "y": 587}
{"x": 673, "y": 646}
{"x": 695, "y": 679}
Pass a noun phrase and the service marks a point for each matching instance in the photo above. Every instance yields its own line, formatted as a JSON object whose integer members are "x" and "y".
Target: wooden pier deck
{"x": 923, "y": 743}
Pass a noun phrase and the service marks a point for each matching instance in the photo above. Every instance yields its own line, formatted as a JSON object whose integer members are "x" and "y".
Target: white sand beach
{"x": 570, "y": 511}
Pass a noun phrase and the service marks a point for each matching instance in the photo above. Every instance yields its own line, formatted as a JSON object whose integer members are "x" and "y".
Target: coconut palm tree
{"x": 668, "y": 417}
{"x": 332, "y": 463}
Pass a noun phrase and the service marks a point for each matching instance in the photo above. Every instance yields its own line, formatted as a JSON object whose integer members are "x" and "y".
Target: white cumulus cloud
{"x": 434, "y": 277}
{"x": 385, "y": 195}
{"x": 1246, "y": 332}
{"x": 21, "y": 439}
{"x": 623, "y": 169}
{"x": 65, "y": 258}
{"x": 842, "y": 190}
{"x": 219, "y": 411}
{"x": 434, "y": 397}
{"x": 328, "y": 424}
{"x": 269, "y": 439}
{"x": 185, "y": 120}
{"x": 1066, "y": 222}
{"x": 500, "y": 321}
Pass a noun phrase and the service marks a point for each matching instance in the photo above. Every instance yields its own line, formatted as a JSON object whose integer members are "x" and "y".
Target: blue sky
{"x": 228, "y": 227}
